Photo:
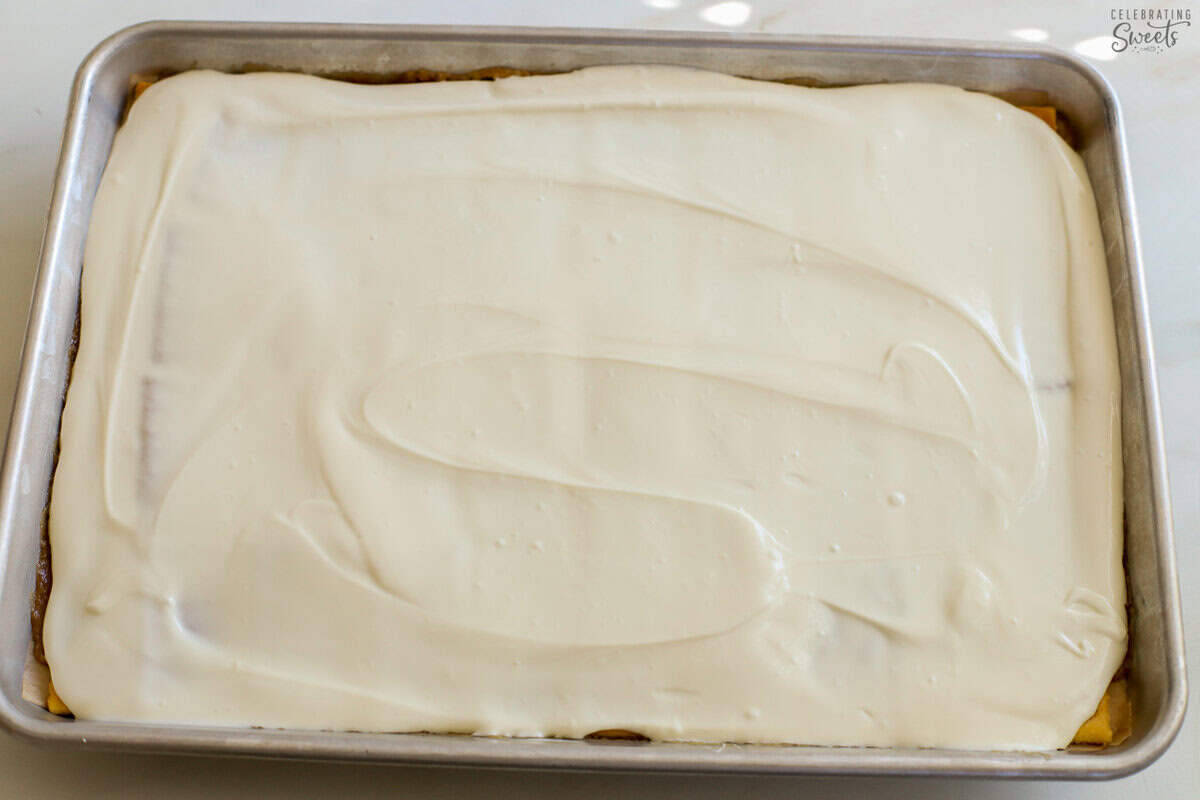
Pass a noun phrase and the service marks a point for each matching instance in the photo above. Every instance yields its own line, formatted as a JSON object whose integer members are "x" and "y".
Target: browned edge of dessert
{"x": 1110, "y": 725}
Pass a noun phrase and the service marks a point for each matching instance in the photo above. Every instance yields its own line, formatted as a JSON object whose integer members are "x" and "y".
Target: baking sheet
{"x": 377, "y": 52}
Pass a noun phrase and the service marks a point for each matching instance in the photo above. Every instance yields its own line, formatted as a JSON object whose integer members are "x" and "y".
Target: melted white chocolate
{"x": 636, "y": 398}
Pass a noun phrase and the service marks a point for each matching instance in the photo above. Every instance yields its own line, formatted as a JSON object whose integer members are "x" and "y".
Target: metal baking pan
{"x": 97, "y": 102}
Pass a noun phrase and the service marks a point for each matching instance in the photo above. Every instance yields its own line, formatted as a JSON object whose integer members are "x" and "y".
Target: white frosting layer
{"x": 631, "y": 398}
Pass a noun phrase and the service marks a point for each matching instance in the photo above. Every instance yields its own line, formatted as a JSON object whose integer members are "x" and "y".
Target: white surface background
{"x": 42, "y": 42}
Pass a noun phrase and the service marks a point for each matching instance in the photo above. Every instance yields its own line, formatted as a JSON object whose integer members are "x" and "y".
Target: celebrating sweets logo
{"x": 1148, "y": 30}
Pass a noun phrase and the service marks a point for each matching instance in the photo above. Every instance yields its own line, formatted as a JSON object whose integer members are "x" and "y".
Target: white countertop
{"x": 41, "y": 43}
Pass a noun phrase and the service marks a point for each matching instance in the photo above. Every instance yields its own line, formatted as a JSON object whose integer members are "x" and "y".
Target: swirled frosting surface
{"x": 635, "y": 397}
